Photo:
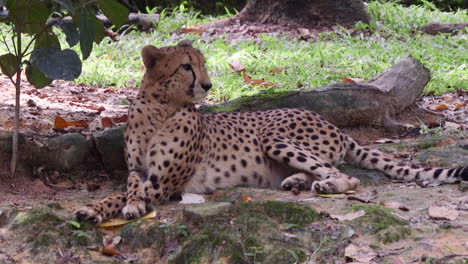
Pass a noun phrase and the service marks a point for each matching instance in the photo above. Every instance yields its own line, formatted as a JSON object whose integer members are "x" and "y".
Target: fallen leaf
{"x": 121, "y": 119}
{"x": 439, "y": 107}
{"x": 195, "y": 29}
{"x": 120, "y": 222}
{"x": 362, "y": 254}
{"x": 349, "y": 216}
{"x": 237, "y": 66}
{"x": 110, "y": 250}
{"x": 278, "y": 70}
{"x": 247, "y": 78}
{"x": 192, "y": 198}
{"x": 259, "y": 82}
{"x": 246, "y": 198}
{"x": 449, "y": 99}
{"x": 395, "y": 205}
{"x": 458, "y": 106}
{"x": 442, "y": 213}
{"x": 353, "y": 80}
{"x": 107, "y": 122}
{"x": 60, "y": 123}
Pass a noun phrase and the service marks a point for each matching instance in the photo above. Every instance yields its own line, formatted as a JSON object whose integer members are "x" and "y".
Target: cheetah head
{"x": 179, "y": 70}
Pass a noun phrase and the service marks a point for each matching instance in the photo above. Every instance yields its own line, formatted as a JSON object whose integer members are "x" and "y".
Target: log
{"x": 437, "y": 28}
{"x": 144, "y": 22}
{"x": 348, "y": 104}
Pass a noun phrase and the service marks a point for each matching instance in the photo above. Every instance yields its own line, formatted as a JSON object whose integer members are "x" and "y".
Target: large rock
{"x": 197, "y": 213}
{"x": 110, "y": 145}
{"x": 68, "y": 151}
{"x": 348, "y": 104}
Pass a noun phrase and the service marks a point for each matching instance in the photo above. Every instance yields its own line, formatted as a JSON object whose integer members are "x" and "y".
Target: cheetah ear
{"x": 185, "y": 43}
{"x": 151, "y": 55}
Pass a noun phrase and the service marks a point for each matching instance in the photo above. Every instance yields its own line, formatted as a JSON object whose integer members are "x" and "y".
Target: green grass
{"x": 360, "y": 52}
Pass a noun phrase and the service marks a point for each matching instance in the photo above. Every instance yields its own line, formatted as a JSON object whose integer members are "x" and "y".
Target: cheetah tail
{"x": 375, "y": 159}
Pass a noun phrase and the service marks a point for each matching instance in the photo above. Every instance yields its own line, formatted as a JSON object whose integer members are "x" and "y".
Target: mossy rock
{"x": 41, "y": 228}
{"x": 110, "y": 145}
{"x": 252, "y": 232}
{"x": 381, "y": 221}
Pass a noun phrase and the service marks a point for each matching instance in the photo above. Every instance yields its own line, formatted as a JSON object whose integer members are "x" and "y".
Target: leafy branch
{"x": 47, "y": 61}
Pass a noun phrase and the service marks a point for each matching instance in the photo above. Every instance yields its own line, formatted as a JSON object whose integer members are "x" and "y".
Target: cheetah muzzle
{"x": 171, "y": 148}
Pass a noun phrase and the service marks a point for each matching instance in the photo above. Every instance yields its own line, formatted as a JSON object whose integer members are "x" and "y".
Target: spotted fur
{"x": 173, "y": 148}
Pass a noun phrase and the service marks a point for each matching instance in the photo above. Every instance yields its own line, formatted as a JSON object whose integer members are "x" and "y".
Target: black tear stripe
{"x": 190, "y": 92}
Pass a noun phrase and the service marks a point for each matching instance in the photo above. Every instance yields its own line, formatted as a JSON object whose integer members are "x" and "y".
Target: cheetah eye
{"x": 186, "y": 67}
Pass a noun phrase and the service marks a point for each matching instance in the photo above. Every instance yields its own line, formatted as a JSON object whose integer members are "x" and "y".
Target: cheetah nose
{"x": 206, "y": 86}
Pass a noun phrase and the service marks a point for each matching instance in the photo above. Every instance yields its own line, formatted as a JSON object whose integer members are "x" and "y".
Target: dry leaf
{"x": 120, "y": 222}
{"x": 107, "y": 122}
{"x": 442, "y": 213}
{"x": 237, "y": 66}
{"x": 363, "y": 254}
{"x": 247, "y": 78}
{"x": 110, "y": 250}
{"x": 195, "y": 29}
{"x": 121, "y": 119}
{"x": 449, "y": 99}
{"x": 259, "y": 82}
{"x": 395, "y": 205}
{"x": 192, "y": 198}
{"x": 349, "y": 216}
{"x": 278, "y": 70}
{"x": 60, "y": 123}
{"x": 439, "y": 107}
{"x": 458, "y": 106}
{"x": 353, "y": 80}
{"x": 246, "y": 198}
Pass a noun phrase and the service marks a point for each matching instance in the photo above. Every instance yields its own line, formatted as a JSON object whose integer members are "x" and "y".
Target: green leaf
{"x": 74, "y": 223}
{"x": 9, "y": 64}
{"x": 67, "y": 4}
{"x": 114, "y": 11}
{"x": 29, "y": 16}
{"x": 45, "y": 39}
{"x": 56, "y": 63}
{"x": 86, "y": 32}
{"x": 99, "y": 33}
{"x": 36, "y": 77}
{"x": 71, "y": 33}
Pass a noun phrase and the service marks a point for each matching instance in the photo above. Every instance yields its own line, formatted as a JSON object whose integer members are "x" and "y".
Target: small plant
{"x": 35, "y": 47}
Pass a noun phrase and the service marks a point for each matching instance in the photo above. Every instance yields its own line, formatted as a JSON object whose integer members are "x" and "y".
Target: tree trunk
{"x": 300, "y": 13}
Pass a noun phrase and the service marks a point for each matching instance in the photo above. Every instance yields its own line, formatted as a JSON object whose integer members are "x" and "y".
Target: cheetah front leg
{"x": 102, "y": 210}
{"x": 329, "y": 179}
{"x": 138, "y": 203}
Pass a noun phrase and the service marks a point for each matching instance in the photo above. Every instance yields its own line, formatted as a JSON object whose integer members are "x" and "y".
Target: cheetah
{"x": 171, "y": 147}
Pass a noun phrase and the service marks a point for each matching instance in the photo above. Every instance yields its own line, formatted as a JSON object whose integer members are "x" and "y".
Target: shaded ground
{"x": 418, "y": 238}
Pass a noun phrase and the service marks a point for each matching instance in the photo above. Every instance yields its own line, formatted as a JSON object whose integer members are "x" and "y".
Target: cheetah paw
{"x": 135, "y": 209}
{"x": 88, "y": 213}
{"x": 332, "y": 186}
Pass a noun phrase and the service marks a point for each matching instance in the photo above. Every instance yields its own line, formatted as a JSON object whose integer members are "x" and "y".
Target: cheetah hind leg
{"x": 102, "y": 210}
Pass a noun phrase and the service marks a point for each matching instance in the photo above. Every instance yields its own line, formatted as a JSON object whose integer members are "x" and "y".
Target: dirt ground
{"x": 90, "y": 105}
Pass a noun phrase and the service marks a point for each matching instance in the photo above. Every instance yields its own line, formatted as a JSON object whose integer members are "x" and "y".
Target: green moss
{"x": 247, "y": 235}
{"x": 426, "y": 143}
{"x": 36, "y": 219}
{"x": 291, "y": 213}
{"x": 380, "y": 221}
